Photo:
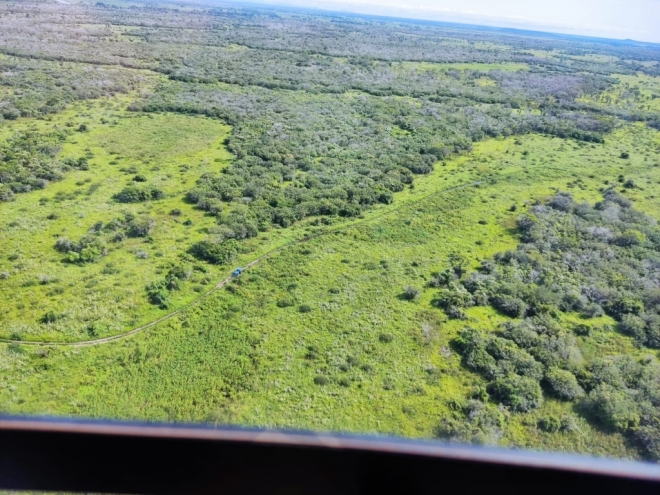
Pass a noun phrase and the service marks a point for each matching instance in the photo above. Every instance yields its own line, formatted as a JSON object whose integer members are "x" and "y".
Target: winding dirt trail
{"x": 225, "y": 281}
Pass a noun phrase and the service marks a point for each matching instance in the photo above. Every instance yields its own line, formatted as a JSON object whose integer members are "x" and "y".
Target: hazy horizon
{"x": 635, "y": 19}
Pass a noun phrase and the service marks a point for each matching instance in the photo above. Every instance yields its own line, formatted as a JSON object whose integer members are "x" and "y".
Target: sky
{"x": 618, "y": 19}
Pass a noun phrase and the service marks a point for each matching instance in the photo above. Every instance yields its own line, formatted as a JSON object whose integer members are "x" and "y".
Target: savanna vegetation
{"x": 451, "y": 232}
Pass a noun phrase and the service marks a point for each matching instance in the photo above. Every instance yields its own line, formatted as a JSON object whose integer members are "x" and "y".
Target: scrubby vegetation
{"x": 574, "y": 258}
{"x": 420, "y": 271}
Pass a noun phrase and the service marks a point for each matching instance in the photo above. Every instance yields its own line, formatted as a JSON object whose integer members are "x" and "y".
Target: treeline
{"x": 574, "y": 258}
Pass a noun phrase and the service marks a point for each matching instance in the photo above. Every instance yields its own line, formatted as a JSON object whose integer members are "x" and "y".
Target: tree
{"x": 520, "y": 393}
{"x": 563, "y": 384}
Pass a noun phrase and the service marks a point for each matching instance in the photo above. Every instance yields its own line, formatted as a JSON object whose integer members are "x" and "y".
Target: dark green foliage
{"x": 584, "y": 246}
{"x": 28, "y": 161}
{"x": 474, "y": 422}
{"x": 624, "y": 396}
{"x": 411, "y": 293}
{"x": 159, "y": 291}
{"x": 138, "y": 194}
{"x": 140, "y": 227}
{"x": 89, "y": 249}
{"x": 509, "y": 305}
{"x": 218, "y": 254}
{"x": 573, "y": 258}
{"x": 519, "y": 393}
{"x": 50, "y": 317}
{"x": 563, "y": 384}
{"x": 614, "y": 409}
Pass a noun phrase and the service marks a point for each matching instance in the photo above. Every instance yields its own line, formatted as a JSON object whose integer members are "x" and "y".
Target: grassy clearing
{"x": 318, "y": 336}
{"x": 169, "y": 152}
{"x": 640, "y": 93}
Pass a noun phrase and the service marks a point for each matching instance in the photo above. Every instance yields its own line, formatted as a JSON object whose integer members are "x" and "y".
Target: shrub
{"x": 549, "y": 424}
{"x": 140, "y": 227}
{"x": 321, "y": 380}
{"x": 285, "y": 303}
{"x": 158, "y": 294}
{"x": 614, "y": 409}
{"x": 629, "y": 238}
{"x": 218, "y": 254}
{"x": 411, "y": 293}
{"x": 648, "y": 439}
{"x": 455, "y": 313}
{"x": 509, "y": 305}
{"x": 563, "y": 384}
{"x": 519, "y": 393}
{"x": 64, "y": 245}
{"x": 624, "y": 306}
{"x": 454, "y": 297}
{"x": 634, "y": 326}
{"x": 136, "y": 194}
{"x": 562, "y": 202}
{"x": 51, "y": 317}
{"x": 304, "y": 308}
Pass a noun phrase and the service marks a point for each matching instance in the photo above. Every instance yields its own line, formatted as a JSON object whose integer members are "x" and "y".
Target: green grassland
{"x": 318, "y": 335}
{"x": 170, "y": 152}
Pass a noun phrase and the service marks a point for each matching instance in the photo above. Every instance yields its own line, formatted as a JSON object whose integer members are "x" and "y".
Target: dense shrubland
{"x": 301, "y": 156}
{"x": 574, "y": 258}
{"x": 40, "y": 88}
{"x": 29, "y": 161}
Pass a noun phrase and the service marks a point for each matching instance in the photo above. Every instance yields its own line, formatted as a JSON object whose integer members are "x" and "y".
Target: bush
{"x": 218, "y": 254}
{"x": 563, "y": 384}
{"x": 614, "y": 409}
{"x": 510, "y": 306}
{"x": 304, "y": 308}
{"x": 519, "y": 393}
{"x": 635, "y": 327}
{"x": 411, "y": 293}
{"x": 158, "y": 294}
{"x": 630, "y": 238}
{"x": 140, "y": 227}
{"x": 88, "y": 250}
{"x": 64, "y": 245}
{"x": 648, "y": 439}
{"x": 321, "y": 380}
{"x": 549, "y": 424}
{"x": 562, "y": 202}
{"x": 453, "y": 297}
{"x": 136, "y": 194}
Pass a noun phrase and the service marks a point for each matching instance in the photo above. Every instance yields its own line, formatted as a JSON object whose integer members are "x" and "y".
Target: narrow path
{"x": 225, "y": 281}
